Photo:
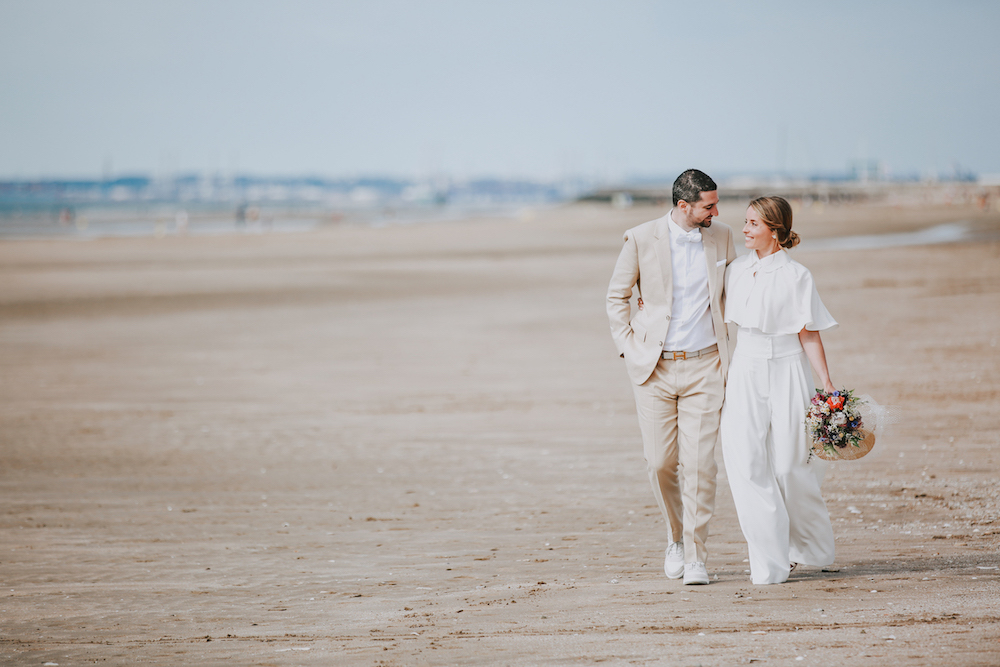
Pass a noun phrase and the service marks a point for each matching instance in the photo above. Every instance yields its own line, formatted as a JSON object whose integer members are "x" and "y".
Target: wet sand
{"x": 416, "y": 445}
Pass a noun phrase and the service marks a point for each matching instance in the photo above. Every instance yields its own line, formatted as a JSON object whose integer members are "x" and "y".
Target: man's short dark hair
{"x": 689, "y": 186}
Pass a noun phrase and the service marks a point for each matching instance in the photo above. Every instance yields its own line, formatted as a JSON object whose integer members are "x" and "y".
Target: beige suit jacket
{"x": 644, "y": 263}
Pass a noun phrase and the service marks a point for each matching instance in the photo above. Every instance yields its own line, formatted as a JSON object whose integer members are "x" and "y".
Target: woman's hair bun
{"x": 792, "y": 241}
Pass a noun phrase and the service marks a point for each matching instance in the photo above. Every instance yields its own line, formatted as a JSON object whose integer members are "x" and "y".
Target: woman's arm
{"x": 813, "y": 346}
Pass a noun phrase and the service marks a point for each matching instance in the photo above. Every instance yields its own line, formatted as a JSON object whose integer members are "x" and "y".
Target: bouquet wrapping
{"x": 841, "y": 426}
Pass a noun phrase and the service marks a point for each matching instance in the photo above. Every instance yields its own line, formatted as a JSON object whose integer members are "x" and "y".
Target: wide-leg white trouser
{"x": 777, "y": 493}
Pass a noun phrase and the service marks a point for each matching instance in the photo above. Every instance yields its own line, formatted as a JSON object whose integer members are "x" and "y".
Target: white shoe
{"x": 695, "y": 573}
{"x": 673, "y": 564}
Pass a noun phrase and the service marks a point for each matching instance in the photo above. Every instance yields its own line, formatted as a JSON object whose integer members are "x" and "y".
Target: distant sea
{"x": 203, "y": 204}
{"x": 93, "y": 221}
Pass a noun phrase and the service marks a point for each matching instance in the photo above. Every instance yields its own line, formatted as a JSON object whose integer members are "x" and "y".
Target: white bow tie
{"x": 690, "y": 237}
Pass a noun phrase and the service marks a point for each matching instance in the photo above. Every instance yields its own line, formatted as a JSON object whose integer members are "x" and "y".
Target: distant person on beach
{"x": 775, "y": 485}
{"x": 676, "y": 350}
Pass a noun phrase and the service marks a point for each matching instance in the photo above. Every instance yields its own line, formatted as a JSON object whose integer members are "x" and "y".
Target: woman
{"x": 775, "y": 485}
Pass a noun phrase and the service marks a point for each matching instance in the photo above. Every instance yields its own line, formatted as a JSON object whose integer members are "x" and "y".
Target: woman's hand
{"x": 639, "y": 302}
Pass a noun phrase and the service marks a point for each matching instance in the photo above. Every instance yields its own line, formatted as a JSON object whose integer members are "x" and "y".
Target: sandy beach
{"x": 416, "y": 445}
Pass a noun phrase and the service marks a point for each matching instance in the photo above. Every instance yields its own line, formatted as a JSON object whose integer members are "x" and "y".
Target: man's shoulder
{"x": 720, "y": 229}
{"x": 644, "y": 231}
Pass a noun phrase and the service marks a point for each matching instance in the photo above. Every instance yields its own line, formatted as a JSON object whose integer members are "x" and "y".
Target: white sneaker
{"x": 673, "y": 564}
{"x": 695, "y": 573}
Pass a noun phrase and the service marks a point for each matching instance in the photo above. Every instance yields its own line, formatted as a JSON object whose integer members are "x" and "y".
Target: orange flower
{"x": 835, "y": 402}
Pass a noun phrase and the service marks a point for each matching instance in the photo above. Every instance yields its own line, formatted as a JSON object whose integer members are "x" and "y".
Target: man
{"x": 676, "y": 351}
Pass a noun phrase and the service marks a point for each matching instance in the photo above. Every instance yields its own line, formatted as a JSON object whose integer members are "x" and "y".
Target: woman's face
{"x": 757, "y": 236}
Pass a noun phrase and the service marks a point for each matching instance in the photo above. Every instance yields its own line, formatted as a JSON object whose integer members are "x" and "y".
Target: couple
{"x": 676, "y": 347}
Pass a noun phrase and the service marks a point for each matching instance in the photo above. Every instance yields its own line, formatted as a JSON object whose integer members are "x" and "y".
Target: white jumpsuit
{"x": 764, "y": 442}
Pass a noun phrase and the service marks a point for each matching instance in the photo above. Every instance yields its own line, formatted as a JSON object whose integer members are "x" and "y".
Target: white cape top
{"x": 775, "y": 294}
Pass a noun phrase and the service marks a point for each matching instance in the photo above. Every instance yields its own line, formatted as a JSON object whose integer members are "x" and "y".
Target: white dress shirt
{"x": 690, "y": 315}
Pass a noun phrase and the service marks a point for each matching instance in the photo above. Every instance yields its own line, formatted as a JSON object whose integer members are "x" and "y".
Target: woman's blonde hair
{"x": 776, "y": 213}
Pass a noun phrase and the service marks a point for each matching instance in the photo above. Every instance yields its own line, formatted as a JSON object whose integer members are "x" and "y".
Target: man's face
{"x": 701, "y": 212}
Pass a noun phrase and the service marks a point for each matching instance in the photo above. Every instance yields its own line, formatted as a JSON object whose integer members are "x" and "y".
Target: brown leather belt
{"x": 680, "y": 356}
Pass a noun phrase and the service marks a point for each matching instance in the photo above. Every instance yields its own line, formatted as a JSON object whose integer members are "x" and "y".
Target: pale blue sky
{"x": 513, "y": 88}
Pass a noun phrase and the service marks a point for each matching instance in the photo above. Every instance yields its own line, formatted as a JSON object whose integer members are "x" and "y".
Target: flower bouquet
{"x": 840, "y": 425}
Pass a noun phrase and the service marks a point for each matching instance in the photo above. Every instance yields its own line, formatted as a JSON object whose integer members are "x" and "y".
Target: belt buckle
{"x": 680, "y": 355}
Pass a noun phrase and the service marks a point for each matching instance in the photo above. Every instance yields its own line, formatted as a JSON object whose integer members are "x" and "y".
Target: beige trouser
{"x": 679, "y": 408}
